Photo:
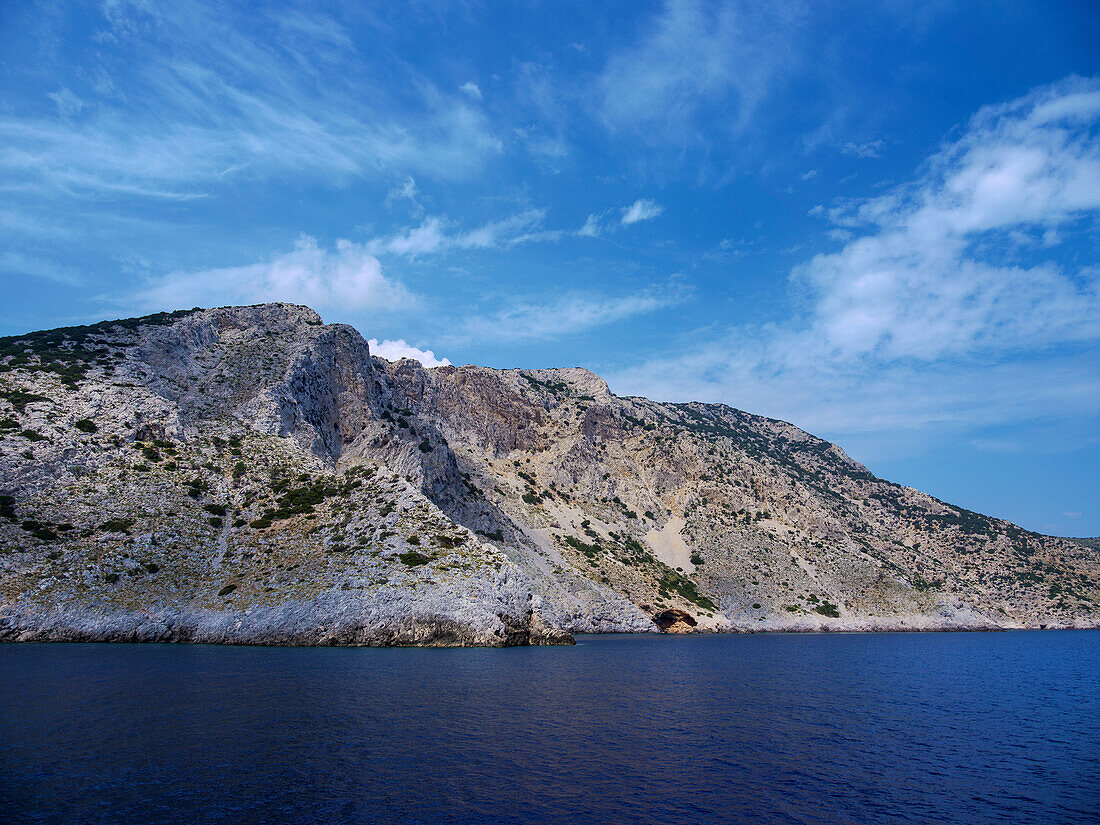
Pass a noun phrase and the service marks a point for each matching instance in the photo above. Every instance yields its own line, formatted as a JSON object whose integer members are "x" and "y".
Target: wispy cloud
{"x": 436, "y": 235}
{"x": 405, "y": 191}
{"x": 346, "y": 277}
{"x": 641, "y": 210}
{"x": 698, "y": 65}
{"x": 396, "y": 350}
{"x": 916, "y": 320}
{"x": 592, "y": 227}
{"x": 68, "y": 104}
{"x": 20, "y": 265}
{"x": 866, "y": 149}
{"x": 471, "y": 90}
{"x": 211, "y": 103}
{"x": 551, "y": 317}
{"x": 608, "y": 220}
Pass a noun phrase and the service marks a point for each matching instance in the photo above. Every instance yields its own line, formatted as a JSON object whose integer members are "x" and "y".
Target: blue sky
{"x": 878, "y": 221}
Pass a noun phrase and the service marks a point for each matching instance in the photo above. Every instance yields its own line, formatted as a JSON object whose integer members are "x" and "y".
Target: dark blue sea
{"x": 884, "y": 728}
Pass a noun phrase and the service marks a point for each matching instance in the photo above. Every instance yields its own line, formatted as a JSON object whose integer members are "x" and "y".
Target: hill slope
{"x": 251, "y": 474}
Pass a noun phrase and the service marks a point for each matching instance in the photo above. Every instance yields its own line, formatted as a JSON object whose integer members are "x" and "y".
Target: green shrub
{"x": 828, "y": 609}
{"x": 32, "y": 435}
{"x": 425, "y": 446}
{"x": 20, "y": 399}
{"x": 111, "y": 578}
{"x": 214, "y": 509}
{"x": 696, "y": 559}
{"x": 412, "y": 558}
{"x": 590, "y": 550}
{"x": 672, "y": 581}
{"x": 225, "y": 591}
{"x": 86, "y": 425}
{"x": 261, "y": 523}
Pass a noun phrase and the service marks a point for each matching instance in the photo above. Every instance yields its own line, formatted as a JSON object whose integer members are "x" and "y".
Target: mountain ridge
{"x": 274, "y": 482}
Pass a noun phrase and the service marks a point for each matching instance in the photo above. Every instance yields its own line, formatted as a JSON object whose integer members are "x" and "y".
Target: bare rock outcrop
{"x": 252, "y": 475}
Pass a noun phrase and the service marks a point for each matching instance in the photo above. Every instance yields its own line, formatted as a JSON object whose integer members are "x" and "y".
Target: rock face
{"x": 252, "y": 475}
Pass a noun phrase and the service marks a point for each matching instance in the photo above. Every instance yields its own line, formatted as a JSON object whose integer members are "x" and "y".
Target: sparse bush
{"x": 412, "y": 558}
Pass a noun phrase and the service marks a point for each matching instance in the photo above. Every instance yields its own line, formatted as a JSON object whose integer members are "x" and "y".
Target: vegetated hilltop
{"x": 250, "y": 474}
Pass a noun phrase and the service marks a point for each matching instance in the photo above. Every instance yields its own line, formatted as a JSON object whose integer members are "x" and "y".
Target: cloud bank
{"x": 942, "y": 307}
{"x": 346, "y": 277}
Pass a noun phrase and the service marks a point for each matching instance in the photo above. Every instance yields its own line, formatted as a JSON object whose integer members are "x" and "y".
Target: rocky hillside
{"x": 253, "y": 475}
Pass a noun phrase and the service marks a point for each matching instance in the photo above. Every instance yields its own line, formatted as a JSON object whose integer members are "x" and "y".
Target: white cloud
{"x": 915, "y": 322}
{"x": 698, "y": 65}
{"x": 68, "y": 104}
{"x": 471, "y": 89}
{"x": 867, "y": 149}
{"x": 433, "y": 235}
{"x": 346, "y": 277}
{"x": 591, "y": 228}
{"x": 396, "y": 350}
{"x": 641, "y": 210}
{"x": 404, "y": 191}
{"x": 208, "y": 101}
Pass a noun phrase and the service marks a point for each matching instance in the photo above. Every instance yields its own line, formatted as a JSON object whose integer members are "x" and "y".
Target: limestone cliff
{"x": 253, "y": 475}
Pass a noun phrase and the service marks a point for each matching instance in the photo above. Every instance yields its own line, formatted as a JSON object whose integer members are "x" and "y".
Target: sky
{"x": 875, "y": 220}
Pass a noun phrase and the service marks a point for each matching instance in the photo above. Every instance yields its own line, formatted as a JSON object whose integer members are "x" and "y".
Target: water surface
{"x": 877, "y": 728}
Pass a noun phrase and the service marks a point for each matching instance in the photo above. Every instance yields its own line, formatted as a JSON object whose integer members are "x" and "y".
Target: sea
{"x": 966, "y": 728}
